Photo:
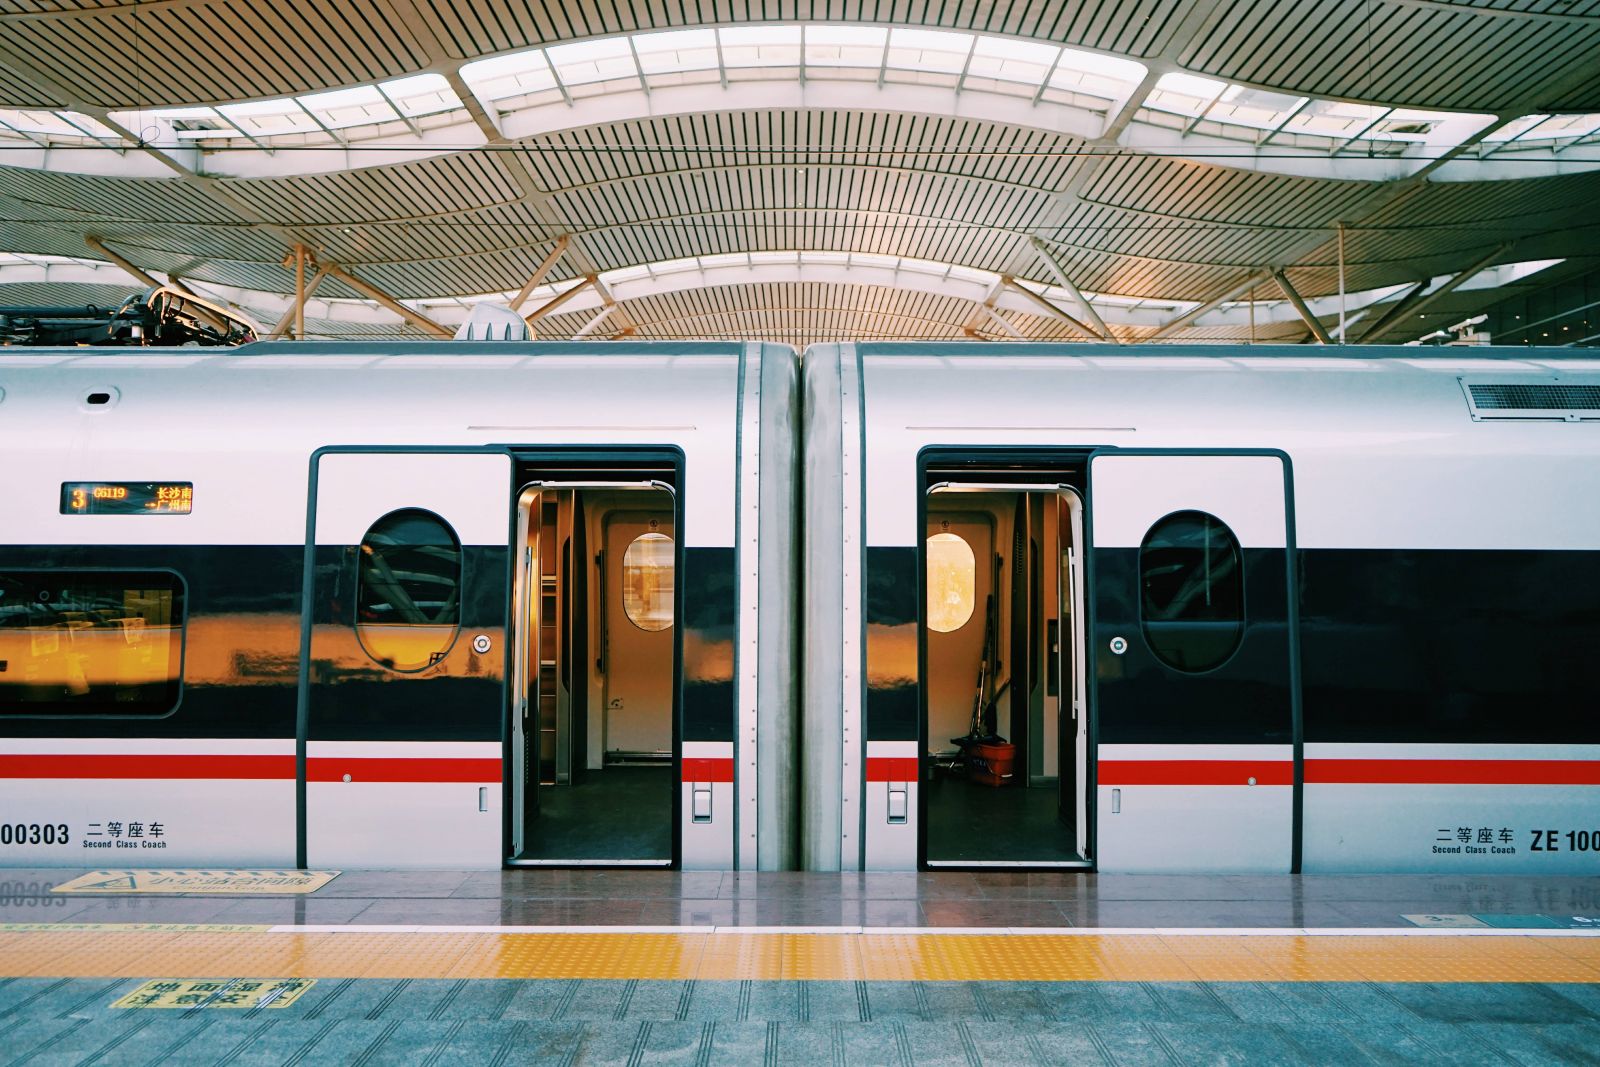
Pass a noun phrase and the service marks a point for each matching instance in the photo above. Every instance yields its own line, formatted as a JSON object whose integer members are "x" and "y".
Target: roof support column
{"x": 296, "y": 314}
{"x": 1215, "y": 302}
{"x": 594, "y": 324}
{"x": 371, "y": 292}
{"x": 299, "y": 291}
{"x": 1416, "y": 300}
{"x": 100, "y": 247}
{"x": 985, "y": 310}
{"x": 1317, "y": 329}
{"x": 1066, "y": 283}
{"x": 556, "y": 301}
{"x": 540, "y": 271}
{"x": 1050, "y": 308}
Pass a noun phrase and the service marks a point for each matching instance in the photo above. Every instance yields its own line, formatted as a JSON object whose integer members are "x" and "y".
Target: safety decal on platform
{"x": 190, "y": 881}
{"x": 243, "y": 993}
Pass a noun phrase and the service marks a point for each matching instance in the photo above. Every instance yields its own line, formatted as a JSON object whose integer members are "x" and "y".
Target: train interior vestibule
{"x": 593, "y": 694}
{"x": 1006, "y": 740}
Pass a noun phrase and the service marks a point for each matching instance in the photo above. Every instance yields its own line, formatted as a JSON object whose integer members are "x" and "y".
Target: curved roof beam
{"x": 1088, "y": 95}
{"x": 1131, "y": 317}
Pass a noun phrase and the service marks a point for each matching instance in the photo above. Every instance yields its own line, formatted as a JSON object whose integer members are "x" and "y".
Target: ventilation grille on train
{"x": 1533, "y": 400}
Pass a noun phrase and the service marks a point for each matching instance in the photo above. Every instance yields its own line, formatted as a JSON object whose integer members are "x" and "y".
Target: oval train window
{"x": 647, "y": 581}
{"x": 408, "y": 590}
{"x": 952, "y": 582}
{"x": 1191, "y": 582}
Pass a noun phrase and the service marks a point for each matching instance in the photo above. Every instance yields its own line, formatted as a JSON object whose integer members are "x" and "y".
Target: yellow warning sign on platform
{"x": 217, "y": 993}
{"x": 257, "y": 882}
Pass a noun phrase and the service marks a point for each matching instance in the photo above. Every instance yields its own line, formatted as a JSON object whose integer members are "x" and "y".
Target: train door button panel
{"x": 898, "y": 805}
{"x": 701, "y": 799}
{"x": 482, "y": 644}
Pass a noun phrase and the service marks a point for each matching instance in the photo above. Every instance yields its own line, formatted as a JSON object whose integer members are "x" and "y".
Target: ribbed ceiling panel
{"x": 1467, "y": 54}
{"x": 136, "y": 55}
{"x": 90, "y": 198}
{"x": 801, "y": 140}
{"x": 64, "y": 294}
{"x": 1394, "y": 52}
{"x": 432, "y": 188}
{"x": 1135, "y": 27}
{"x": 1162, "y": 186}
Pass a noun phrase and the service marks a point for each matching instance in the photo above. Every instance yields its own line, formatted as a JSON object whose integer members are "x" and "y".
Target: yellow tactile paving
{"x": 140, "y": 951}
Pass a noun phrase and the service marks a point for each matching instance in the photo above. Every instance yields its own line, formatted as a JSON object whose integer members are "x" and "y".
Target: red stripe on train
{"x": 1452, "y": 772}
{"x": 893, "y": 769}
{"x": 707, "y": 769}
{"x": 1195, "y": 772}
{"x": 102, "y": 765}
{"x": 422, "y": 771}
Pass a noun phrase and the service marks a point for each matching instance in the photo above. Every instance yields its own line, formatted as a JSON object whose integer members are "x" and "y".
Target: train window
{"x": 408, "y": 593}
{"x": 90, "y": 642}
{"x": 1191, "y": 578}
{"x": 952, "y": 582}
{"x": 647, "y": 581}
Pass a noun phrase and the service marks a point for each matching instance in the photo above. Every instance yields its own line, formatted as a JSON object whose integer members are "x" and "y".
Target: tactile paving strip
{"x": 729, "y": 955}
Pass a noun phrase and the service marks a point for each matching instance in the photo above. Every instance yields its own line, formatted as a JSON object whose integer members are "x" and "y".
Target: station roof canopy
{"x": 805, "y": 171}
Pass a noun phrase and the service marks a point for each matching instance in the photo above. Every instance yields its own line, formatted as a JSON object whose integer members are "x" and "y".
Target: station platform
{"x": 626, "y": 967}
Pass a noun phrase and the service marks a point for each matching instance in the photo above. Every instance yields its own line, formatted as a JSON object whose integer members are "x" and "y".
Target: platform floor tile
{"x": 375, "y": 1022}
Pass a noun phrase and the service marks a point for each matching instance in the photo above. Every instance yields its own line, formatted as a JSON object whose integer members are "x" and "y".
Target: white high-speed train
{"x": 455, "y": 605}
{"x": 1231, "y": 609}
{"x": 1038, "y": 606}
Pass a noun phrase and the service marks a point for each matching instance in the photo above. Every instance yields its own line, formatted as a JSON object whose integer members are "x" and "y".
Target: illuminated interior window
{"x": 90, "y": 642}
{"x": 647, "y": 568}
{"x": 408, "y": 592}
{"x": 952, "y": 582}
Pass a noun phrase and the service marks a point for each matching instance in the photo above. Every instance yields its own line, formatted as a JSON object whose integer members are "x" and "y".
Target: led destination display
{"x": 127, "y": 498}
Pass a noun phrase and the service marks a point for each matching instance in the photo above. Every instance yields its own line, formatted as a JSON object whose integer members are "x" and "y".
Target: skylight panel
{"x": 605, "y": 59}
{"x": 266, "y": 118}
{"x": 506, "y": 76}
{"x": 176, "y": 123}
{"x": 1185, "y": 94}
{"x": 1013, "y": 61}
{"x": 1096, "y": 73}
{"x": 349, "y": 107}
{"x": 845, "y": 46}
{"x": 1543, "y": 130}
{"x": 761, "y": 46}
{"x": 1335, "y": 118}
{"x": 933, "y": 51}
{"x": 89, "y": 125}
{"x": 1256, "y": 108}
{"x": 424, "y": 94}
{"x": 675, "y": 51}
{"x": 51, "y": 123}
{"x": 1515, "y": 129}
{"x": 1404, "y": 124}
{"x": 1570, "y": 127}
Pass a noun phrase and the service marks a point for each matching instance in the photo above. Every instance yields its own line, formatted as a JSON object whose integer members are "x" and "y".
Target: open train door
{"x": 403, "y": 665}
{"x": 1193, "y": 660}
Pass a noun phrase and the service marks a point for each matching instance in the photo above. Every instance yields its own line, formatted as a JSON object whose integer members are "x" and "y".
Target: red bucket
{"x": 991, "y": 764}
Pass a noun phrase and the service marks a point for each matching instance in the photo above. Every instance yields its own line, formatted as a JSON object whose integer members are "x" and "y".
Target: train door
{"x": 1193, "y": 661}
{"x": 403, "y": 679}
{"x": 1003, "y": 729}
{"x": 593, "y": 737}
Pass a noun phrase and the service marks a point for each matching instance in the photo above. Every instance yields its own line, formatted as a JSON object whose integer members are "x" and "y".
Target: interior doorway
{"x": 1006, "y": 741}
{"x": 593, "y": 738}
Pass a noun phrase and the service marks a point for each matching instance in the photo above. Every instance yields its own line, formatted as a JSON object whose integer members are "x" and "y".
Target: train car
{"x": 1201, "y": 609}
{"x": 453, "y": 604}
